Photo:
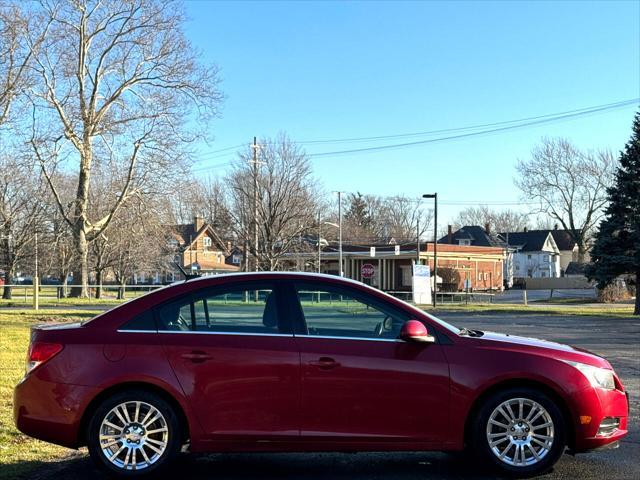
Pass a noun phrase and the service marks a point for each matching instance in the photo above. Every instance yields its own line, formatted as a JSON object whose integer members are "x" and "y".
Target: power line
{"x": 585, "y": 110}
{"x": 475, "y": 134}
{"x": 500, "y": 127}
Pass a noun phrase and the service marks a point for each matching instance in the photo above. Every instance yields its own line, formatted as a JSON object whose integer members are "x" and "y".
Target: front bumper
{"x": 51, "y": 411}
{"x": 599, "y": 404}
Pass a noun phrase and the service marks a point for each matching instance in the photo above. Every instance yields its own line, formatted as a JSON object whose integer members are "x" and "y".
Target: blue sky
{"x": 332, "y": 70}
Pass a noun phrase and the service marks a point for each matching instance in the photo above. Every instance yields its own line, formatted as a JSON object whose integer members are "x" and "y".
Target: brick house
{"x": 199, "y": 249}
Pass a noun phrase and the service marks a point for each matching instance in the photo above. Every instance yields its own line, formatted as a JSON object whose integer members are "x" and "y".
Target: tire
{"x": 524, "y": 444}
{"x": 140, "y": 441}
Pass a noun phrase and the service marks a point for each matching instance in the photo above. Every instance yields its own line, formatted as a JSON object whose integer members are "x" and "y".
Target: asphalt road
{"x": 617, "y": 339}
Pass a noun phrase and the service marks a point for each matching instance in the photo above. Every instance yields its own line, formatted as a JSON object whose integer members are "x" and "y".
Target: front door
{"x": 236, "y": 360}
{"x": 359, "y": 382}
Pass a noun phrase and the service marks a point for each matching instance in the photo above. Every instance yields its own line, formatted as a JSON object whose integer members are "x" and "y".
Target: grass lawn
{"x": 19, "y": 453}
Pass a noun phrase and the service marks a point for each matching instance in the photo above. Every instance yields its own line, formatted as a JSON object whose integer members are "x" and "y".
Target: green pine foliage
{"x": 617, "y": 245}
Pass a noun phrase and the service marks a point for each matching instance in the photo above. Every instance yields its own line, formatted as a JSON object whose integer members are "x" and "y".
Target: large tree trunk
{"x": 82, "y": 265}
{"x": 582, "y": 251}
{"x": 636, "y": 311}
{"x": 7, "y": 291}
{"x": 121, "y": 289}
{"x": 98, "y": 283}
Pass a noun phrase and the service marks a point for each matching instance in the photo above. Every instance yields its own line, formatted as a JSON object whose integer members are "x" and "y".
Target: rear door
{"x": 359, "y": 382}
{"x": 235, "y": 357}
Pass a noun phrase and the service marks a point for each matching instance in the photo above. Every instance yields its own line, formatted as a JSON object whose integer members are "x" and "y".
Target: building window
{"x": 479, "y": 275}
{"x": 235, "y": 259}
{"x": 528, "y": 257}
{"x": 486, "y": 275}
{"x": 544, "y": 274}
{"x": 206, "y": 241}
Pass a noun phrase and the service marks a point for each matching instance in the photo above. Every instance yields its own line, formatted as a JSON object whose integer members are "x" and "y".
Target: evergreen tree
{"x": 617, "y": 246}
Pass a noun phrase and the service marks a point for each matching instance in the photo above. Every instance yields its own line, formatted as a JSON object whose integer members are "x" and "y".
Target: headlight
{"x": 598, "y": 377}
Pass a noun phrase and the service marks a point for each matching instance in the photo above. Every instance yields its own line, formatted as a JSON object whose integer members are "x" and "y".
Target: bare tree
{"x": 21, "y": 216}
{"x": 15, "y": 54}
{"x": 570, "y": 185}
{"x": 286, "y": 199}
{"x": 118, "y": 83}
{"x": 135, "y": 243}
{"x": 205, "y": 197}
{"x": 405, "y": 218}
{"x": 498, "y": 220}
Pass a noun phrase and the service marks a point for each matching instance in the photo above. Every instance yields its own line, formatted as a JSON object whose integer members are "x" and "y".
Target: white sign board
{"x": 421, "y": 284}
{"x": 396, "y": 250}
{"x": 372, "y": 252}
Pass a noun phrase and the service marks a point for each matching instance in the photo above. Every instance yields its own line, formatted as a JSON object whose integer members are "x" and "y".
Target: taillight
{"x": 41, "y": 352}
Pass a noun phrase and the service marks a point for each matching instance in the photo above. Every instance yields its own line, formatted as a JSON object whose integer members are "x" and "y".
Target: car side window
{"x": 143, "y": 322}
{"x": 242, "y": 310}
{"x": 337, "y": 312}
{"x": 175, "y": 316}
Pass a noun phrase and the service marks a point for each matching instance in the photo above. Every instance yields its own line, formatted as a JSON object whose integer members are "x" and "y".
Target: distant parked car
{"x": 304, "y": 362}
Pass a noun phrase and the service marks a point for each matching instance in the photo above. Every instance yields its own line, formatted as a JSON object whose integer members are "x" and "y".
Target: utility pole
{"x": 340, "y": 233}
{"x": 36, "y": 278}
{"x": 319, "y": 239}
{"x": 255, "y": 202}
{"x": 418, "y": 241}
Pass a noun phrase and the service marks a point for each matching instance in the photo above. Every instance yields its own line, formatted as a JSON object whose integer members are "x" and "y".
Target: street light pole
{"x": 435, "y": 244}
{"x": 340, "y": 233}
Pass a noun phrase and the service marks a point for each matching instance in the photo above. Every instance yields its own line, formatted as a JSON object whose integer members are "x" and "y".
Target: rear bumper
{"x": 51, "y": 411}
{"x": 599, "y": 404}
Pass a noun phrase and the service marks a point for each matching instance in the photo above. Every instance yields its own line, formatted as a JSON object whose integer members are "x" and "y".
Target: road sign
{"x": 367, "y": 270}
{"x": 396, "y": 250}
{"x": 372, "y": 251}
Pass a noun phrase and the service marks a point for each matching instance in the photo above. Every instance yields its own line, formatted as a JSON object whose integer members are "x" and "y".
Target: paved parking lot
{"x": 617, "y": 339}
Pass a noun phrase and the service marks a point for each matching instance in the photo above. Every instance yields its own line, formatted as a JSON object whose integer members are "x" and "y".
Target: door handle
{"x": 325, "y": 363}
{"x": 196, "y": 356}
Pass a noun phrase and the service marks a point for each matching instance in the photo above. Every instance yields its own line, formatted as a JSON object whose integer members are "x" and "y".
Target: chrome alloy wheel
{"x": 520, "y": 432}
{"x": 133, "y": 435}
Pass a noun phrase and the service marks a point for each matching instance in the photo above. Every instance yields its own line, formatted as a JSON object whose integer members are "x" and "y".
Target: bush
{"x": 450, "y": 279}
{"x": 616, "y": 291}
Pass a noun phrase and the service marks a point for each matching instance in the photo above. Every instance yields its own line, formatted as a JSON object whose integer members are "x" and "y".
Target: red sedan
{"x": 293, "y": 362}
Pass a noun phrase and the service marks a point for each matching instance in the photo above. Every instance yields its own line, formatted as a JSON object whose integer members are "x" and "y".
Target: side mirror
{"x": 415, "y": 331}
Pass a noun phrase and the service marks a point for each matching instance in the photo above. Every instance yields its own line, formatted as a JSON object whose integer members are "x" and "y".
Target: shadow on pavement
{"x": 310, "y": 466}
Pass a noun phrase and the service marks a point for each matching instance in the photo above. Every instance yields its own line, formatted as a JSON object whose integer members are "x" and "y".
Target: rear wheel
{"x": 519, "y": 431}
{"x": 134, "y": 433}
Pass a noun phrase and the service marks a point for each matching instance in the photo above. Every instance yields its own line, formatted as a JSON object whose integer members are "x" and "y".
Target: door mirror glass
{"x": 415, "y": 331}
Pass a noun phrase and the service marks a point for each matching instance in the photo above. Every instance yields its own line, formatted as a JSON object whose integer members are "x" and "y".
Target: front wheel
{"x": 520, "y": 432}
{"x": 133, "y": 433}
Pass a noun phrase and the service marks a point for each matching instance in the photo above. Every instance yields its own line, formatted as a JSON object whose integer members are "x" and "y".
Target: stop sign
{"x": 367, "y": 270}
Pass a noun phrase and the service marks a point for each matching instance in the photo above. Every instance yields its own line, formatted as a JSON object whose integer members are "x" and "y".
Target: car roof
{"x": 269, "y": 274}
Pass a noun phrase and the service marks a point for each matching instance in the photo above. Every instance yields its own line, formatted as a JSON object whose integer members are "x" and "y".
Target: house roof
{"x": 536, "y": 238}
{"x": 477, "y": 235}
{"x": 187, "y": 235}
{"x": 530, "y": 241}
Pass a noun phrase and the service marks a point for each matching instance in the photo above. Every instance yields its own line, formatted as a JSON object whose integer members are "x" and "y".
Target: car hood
{"x": 546, "y": 347}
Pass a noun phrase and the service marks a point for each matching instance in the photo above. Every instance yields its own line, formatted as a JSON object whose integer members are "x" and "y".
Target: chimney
{"x": 525, "y": 230}
{"x": 198, "y": 222}
{"x": 487, "y": 227}
{"x": 450, "y": 235}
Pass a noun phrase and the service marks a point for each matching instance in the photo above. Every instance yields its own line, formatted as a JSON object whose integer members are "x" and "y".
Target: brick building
{"x": 392, "y": 264}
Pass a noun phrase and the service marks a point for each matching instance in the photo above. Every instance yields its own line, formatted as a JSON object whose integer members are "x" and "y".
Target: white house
{"x": 535, "y": 254}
